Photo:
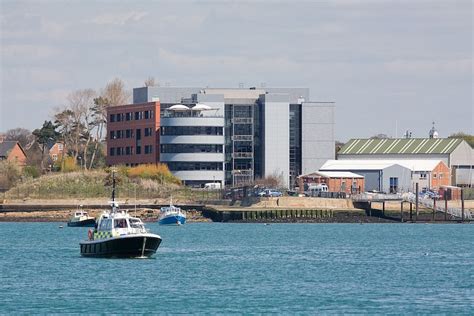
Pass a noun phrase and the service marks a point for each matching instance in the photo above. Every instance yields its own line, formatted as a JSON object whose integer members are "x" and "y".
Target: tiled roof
{"x": 400, "y": 146}
{"x": 5, "y": 147}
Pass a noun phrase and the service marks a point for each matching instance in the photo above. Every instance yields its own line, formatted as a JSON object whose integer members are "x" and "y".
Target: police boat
{"x": 119, "y": 235}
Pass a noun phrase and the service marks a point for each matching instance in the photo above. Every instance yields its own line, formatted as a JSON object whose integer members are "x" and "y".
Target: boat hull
{"x": 85, "y": 223}
{"x": 129, "y": 246}
{"x": 172, "y": 220}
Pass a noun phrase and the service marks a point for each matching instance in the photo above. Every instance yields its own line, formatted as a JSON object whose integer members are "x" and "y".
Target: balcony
{"x": 242, "y": 120}
{"x": 242, "y": 155}
{"x": 242, "y": 138}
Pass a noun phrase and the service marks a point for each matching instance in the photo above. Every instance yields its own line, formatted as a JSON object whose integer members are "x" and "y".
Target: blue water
{"x": 219, "y": 268}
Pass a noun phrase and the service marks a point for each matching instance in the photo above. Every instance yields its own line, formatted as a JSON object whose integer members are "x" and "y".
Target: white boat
{"x": 119, "y": 235}
{"x": 81, "y": 219}
{"x": 171, "y": 215}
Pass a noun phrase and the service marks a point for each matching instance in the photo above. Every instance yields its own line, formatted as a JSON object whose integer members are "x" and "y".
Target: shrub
{"x": 158, "y": 172}
{"x": 69, "y": 164}
{"x": 31, "y": 171}
{"x": 9, "y": 174}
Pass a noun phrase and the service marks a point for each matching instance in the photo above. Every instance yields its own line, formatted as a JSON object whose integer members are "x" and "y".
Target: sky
{"x": 390, "y": 66}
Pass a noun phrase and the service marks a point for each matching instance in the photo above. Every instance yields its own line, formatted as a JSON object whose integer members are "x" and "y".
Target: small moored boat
{"x": 171, "y": 215}
{"x": 81, "y": 219}
{"x": 119, "y": 235}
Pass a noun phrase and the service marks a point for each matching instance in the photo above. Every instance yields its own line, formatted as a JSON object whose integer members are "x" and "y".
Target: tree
{"x": 150, "y": 82}
{"x": 9, "y": 174}
{"x": 338, "y": 146}
{"x": 99, "y": 120}
{"x": 379, "y": 136}
{"x": 21, "y": 135}
{"x": 468, "y": 138}
{"x": 115, "y": 93}
{"x": 45, "y": 135}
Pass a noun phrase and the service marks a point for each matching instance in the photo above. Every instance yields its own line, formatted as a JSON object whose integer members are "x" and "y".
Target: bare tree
{"x": 21, "y": 135}
{"x": 150, "y": 82}
{"x": 115, "y": 93}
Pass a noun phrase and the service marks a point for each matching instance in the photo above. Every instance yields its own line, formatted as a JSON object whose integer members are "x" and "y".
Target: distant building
{"x": 456, "y": 153}
{"x": 337, "y": 181}
{"x": 56, "y": 151}
{"x": 379, "y": 175}
{"x": 133, "y": 134}
{"x": 232, "y": 135}
{"x": 12, "y": 151}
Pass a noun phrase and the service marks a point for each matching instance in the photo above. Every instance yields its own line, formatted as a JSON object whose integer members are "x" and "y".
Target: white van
{"x": 314, "y": 190}
{"x": 212, "y": 186}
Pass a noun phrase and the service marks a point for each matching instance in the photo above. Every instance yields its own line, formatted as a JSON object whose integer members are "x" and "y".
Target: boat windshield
{"x": 136, "y": 223}
{"x": 120, "y": 223}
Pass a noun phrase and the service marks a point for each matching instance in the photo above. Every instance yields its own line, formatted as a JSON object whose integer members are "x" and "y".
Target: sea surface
{"x": 223, "y": 268}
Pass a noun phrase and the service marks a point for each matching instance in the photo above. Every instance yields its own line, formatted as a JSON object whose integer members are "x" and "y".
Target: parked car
{"x": 270, "y": 193}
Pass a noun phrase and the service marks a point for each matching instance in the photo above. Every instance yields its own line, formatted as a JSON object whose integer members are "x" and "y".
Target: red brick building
{"x": 12, "y": 151}
{"x": 133, "y": 134}
{"x": 337, "y": 181}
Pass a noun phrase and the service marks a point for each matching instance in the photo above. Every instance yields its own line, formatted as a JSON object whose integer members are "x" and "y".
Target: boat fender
{"x": 89, "y": 234}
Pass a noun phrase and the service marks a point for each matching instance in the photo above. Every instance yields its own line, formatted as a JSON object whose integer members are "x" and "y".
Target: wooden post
{"x": 462, "y": 205}
{"x": 370, "y": 209}
{"x": 445, "y": 206}
{"x": 411, "y": 212}
{"x": 416, "y": 202}
{"x": 401, "y": 211}
{"x": 434, "y": 208}
{"x": 383, "y": 208}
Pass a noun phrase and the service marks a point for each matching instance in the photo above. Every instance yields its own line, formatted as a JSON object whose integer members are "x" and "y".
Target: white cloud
{"x": 119, "y": 18}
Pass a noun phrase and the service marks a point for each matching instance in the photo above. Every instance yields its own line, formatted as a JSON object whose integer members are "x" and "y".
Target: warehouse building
{"x": 337, "y": 181}
{"x": 381, "y": 176}
{"x": 457, "y": 154}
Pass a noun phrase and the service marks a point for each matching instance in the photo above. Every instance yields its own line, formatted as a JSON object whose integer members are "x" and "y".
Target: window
{"x": 112, "y": 117}
{"x": 393, "y": 185}
{"x": 147, "y": 115}
{"x": 120, "y": 223}
{"x": 119, "y": 151}
{"x": 128, "y": 133}
{"x": 440, "y": 176}
{"x": 139, "y": 150}
{"x": 127, "y": 151}
{"x": 423, "y": 175}
{"x": 148, "y": 149}
{"x": 112, "y": 134}
{"x": 138, "y": 134}
{"x": 191, "y": 148}
{"x": 435, "y": 175}
{"x": 119, "y": 117}
{"x": 112, "y": 151}
{"x": 191, "y": 130}
{"x": 128, "y": 116}
{"x": 138, "y": 115}
{"x": 148, "y": 131}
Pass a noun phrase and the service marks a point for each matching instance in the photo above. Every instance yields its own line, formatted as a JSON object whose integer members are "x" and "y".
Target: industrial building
{"x": 232, "y": 135}
{"x": 379, "y": 175}
{"x": 430, "y": 174}
{"x": 456, "y": 153}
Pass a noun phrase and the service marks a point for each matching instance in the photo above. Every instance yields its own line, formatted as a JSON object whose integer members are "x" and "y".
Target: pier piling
{"x": 401, "y": 211}
{"x": 445, "y": 206}
{"x": 462, "y": 205}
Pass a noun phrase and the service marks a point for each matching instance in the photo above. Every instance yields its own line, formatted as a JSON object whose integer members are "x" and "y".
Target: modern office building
{"x": 235, "y": 135}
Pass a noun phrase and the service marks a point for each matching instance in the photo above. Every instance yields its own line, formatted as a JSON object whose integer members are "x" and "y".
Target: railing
{"x": 242, "y": 120}
{"x": 428, "y": 202}
{"x": 242, "y": 137}
{"x": 242, "y": 155}
{"x": 244, "y": 172}
{"x": 367, "y": 197}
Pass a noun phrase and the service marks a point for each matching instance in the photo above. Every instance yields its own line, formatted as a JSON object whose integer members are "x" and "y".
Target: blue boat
{"x": 171, "y": 215}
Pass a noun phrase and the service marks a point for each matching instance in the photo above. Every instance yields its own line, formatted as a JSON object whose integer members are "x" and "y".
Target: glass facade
{"x": 295, "y": 143}
{"x": 191, "y": 130}
{"x": 190, "y": 166}
{"x": 191, "y": 148}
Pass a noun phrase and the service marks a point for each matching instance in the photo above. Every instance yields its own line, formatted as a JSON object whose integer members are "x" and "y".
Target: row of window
{"x": 130, "y": 133}
{"x": 191, "y": 130}
{"x": 130, "y": 150}
{"x": 191, "y": 148}
{"x": 424, "y": 175}
{"x": 129, "y": 116}
{"x": 192, "y": 166}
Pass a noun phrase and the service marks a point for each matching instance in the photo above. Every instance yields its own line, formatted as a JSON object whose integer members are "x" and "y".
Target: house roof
{"x": 400, "y": 146}
{"x": 6, "y": 146}
{"x": 370, "y": 164}
{"x": 333, "y": 174}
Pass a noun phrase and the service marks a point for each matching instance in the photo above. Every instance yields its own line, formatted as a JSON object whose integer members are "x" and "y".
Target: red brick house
{"x": 56, "y": 151}
{"x": 12, "y": 151}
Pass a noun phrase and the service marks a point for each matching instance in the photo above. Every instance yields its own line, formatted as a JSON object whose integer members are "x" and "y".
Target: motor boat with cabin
{"x": 81, "y": 219}
{"x": 119, "y": 235}
{"x": 171, "y": 215}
